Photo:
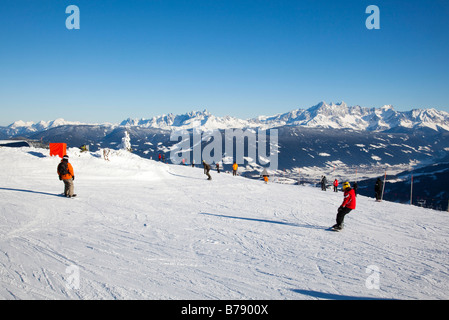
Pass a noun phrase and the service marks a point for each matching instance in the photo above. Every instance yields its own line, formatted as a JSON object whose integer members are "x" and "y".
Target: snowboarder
{"x": 349, "y": 203}
{"x": 378, "y": 189}
{"x": 335, "y": 185}
{"x": 67, "y": 175}
{"x": 206, "y": 170}
{"x": 235, "y": 166}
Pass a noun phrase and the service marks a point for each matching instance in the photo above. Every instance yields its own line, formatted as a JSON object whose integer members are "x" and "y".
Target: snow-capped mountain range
{"x": 322, "y": 115}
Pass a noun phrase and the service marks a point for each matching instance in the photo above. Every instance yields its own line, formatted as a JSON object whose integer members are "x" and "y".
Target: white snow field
{"x": 140, "y": 229}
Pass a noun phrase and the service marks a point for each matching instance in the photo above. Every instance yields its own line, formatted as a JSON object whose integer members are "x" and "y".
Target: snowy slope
{"x": 145, "y": 230}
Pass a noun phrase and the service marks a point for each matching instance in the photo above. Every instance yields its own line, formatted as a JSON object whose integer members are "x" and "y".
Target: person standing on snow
{"x": 335, "y": 185}
{"x": 323, "y": 183}
{"x": 235, "y": 166}
{"x": 67, "y": 175}
{"x": 206, "y": 170}
{"x": 378, "y": 189}
{"x": 349, "y": 203}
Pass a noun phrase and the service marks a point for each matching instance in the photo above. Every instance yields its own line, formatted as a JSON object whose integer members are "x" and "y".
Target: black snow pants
{"x": 342, "y": 211}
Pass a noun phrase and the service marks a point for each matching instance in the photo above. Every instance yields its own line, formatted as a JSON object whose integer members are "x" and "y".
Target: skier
{"x": 349, "y": 203}
{"x": 235, "y": 166}
{"x": 355, "y": 186}
{"x": 160, "y": 157}
{"x": 206, "y": 170}
{"x": 378, "y": 189}
{"x": 67, "y": 175}
{"x": 217, "y": 165}
{"x": 335, "y": 185}
{"x": 323, "y": 183}
{"x": 265, "y": 175}
{"x": 106, "y": 154}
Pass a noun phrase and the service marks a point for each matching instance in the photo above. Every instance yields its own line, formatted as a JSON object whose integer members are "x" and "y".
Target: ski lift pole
{"x": 383, "y": 187}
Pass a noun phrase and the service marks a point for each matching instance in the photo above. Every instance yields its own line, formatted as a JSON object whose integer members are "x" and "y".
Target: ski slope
{"x": 140, "y": 229}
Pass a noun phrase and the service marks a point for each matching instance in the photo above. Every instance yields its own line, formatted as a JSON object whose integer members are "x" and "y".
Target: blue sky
{"x": 141, "y": 58}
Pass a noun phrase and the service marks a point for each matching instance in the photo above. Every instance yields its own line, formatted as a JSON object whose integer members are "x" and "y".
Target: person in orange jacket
{"x": 349, "y": 204}
{"x": 67, "y": 175}
{"x": 235, "y": 166}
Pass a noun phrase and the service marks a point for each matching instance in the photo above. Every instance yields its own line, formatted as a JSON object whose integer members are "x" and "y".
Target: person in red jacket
{"x": 349, "y": 203}
{"x": 335, "y": 185}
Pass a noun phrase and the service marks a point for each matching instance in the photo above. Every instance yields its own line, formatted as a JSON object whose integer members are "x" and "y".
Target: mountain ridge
{"x": 322, "y": 115}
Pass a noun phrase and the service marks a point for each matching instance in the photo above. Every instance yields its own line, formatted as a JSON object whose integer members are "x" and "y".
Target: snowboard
{"x": 64, "y": 196}
{"x": 334, "y": 229}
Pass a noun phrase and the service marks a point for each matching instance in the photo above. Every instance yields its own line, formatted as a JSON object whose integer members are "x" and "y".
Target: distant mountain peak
{"x": 322, "y": 115}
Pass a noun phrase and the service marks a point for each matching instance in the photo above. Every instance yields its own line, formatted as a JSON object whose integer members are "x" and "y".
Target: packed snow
{"x": 141, "y": 229}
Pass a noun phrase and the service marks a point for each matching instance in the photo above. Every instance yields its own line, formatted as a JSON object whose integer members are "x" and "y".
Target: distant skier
{"x": 67, "y": 175}
{"x": 106, "y": 154}
{"x": 378, "y": 189}
{"x": 160, "y": 157}
{"x": 335, "y": 185}
{"x": 235, "y": 166}
{"x": 355, "y": 186}
{"x": 323, "y": 183}
{"x": 265, "y": 175}
{"x": 206, "y": 170}
{"x": 217, "y": 166}
{"x": 349, "y": 203}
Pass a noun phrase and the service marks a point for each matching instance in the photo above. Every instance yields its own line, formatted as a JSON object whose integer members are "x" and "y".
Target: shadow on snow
{"x": 31, "y": 191}
{"x": 267, "y": 221}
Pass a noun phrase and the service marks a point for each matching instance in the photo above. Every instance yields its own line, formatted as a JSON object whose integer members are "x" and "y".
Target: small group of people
{"x": 349, "y": 200}
{"x": 161, "y": 157}
{"x": 207, "y": 168}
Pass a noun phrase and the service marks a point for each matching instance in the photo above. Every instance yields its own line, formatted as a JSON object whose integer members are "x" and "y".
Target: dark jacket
{"x": 378, "y": 185}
